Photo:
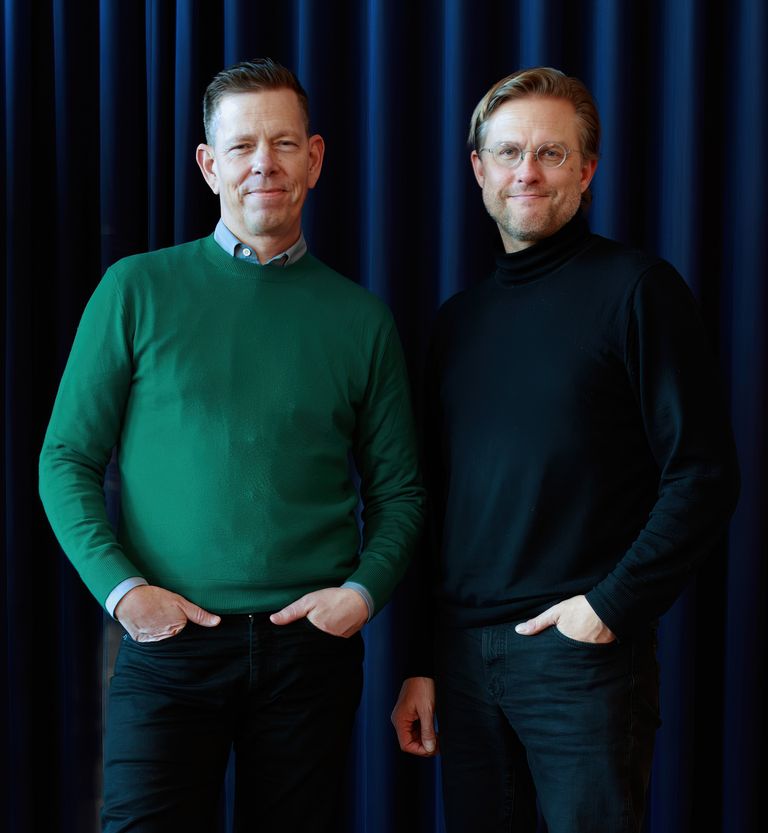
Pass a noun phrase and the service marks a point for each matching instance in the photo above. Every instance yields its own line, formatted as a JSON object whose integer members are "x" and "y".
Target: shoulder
{"x": 623, "y": 264}
{"x": 162, "y": 260}
{"x": 645, "y": 273}
{"x": 611, "y": 262}
{"x": 150, "y": 277}
{"x": 341, "y": 293}
{"x": 603, "y": 249}
{"x": 465, "y": 301}
{"x": 611, "y": 272}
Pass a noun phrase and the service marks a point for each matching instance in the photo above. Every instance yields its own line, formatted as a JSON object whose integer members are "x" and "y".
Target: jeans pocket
{"x": 577, "y": 643}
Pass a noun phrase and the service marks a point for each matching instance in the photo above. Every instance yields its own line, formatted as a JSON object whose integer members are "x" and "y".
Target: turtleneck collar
{"x": 545, "y": 256}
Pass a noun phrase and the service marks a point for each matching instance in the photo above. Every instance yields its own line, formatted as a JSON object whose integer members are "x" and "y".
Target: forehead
{"x": 534, "y": 118}
{"x": 266, "y": 110}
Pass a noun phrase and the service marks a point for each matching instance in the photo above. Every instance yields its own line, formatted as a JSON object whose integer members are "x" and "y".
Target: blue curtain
{"x": 100, "y": 117}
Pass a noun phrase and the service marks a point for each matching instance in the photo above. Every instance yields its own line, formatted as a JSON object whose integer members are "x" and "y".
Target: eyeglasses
{"x": 550, "y": 154}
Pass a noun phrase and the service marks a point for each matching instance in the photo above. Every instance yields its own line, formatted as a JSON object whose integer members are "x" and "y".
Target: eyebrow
{"x": 247, "y": 137}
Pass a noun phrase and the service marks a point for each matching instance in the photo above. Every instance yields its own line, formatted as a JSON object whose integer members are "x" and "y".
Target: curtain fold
{"x": 101, "y": 114}
{"x": 744, "y": 312}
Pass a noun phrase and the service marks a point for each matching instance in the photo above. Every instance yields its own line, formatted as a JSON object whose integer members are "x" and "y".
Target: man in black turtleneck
{"x": 581, "y": 463}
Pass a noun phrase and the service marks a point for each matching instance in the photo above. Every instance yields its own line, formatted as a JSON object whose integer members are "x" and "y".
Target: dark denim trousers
{"x": 545, "y": 716}
{"x": 284, "y": 697}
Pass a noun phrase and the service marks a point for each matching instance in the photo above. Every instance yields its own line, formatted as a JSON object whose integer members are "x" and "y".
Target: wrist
{"x": 119, "y": 592}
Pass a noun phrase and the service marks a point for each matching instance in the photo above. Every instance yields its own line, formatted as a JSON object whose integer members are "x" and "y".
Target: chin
{"x": 262, "y": 223}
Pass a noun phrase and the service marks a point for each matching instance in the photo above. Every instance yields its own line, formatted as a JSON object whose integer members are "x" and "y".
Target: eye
{"x": 507, "y": 152}
{"x": 552, "y": 154}
{"x": 287, "y": 145}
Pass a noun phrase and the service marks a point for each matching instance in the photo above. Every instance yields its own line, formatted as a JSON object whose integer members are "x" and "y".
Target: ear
{"x": 316, "y": 154}
{"x": 587, "y": 172}
{"x": 477, "y": 167}
{"x": 207, "y": 165}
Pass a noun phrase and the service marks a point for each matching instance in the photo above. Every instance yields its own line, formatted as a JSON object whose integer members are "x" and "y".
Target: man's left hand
{"x": 338, "y": 611}
{"x": 574, "y": 618}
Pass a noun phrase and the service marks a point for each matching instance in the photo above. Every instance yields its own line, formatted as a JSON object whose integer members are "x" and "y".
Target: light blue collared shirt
{"x": 232, "y": 246}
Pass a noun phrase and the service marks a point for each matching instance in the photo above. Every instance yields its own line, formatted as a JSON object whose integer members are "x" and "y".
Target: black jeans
{"x": 544, "y": 716}
{"x": 284, "y": 697}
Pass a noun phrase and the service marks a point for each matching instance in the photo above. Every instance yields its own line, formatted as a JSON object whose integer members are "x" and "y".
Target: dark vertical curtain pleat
{"x": 122, "y": 129}
{"x": 676, "y": 217}
{"x": 452, "y": 132}
{"x": 609, "y": 67}
{"x": 101, "y": 114}
{"x": 197, "y": 24}
{"x": 743, "y": 174}
{"x": 159, "y": 39}
{"x": 19, "y": 732}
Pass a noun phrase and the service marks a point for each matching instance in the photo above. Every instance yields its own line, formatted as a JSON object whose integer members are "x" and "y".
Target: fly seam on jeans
{"x": 250, "y": 651}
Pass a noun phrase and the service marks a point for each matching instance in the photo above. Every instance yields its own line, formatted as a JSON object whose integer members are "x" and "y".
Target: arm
{"x": 85, "y": 426}
{"x": 385, "y": 453}
{"x": 676, "y": 384}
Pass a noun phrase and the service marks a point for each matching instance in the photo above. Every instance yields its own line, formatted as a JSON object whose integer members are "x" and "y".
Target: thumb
{"x": 199, "y": 616}
{"x": 290, "y": 613}
{"x": 428, "y": 740}
{"x": 538, "y": 623}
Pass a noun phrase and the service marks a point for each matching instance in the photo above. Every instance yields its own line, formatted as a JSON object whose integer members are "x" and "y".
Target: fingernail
{"x": 429, "y": 745}
{"x": 522, "y": 628}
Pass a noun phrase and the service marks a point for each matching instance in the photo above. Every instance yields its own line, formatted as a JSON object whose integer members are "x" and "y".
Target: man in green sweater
{"x": 580, "y": 465}
{"x": 237, "y": 376}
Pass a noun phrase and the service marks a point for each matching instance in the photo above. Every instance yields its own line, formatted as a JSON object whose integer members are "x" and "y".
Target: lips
{"x": 264, "y": 197}
{"x": 260, "y": 187}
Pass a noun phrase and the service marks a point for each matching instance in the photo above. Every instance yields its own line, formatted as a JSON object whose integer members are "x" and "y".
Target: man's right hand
{"x": 414, "y": 717}
{"x": 151, "y": 614}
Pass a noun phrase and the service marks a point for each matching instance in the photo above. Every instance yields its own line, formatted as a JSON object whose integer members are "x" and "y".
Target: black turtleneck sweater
{"x": 578, "y": 441}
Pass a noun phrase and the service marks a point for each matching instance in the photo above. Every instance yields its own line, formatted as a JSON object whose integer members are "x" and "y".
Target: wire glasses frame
{"x": 548, "y": 154}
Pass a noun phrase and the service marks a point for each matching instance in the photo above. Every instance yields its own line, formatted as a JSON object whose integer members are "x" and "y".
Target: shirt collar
{"x": 234, "y": 247}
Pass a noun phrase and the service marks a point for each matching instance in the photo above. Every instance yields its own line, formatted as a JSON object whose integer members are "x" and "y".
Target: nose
{"x": 528, "y": 170}
{"x": 263, "y": 159}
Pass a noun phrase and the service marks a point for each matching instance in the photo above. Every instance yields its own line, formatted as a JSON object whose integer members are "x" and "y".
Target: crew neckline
{"x": 240, "y": 268}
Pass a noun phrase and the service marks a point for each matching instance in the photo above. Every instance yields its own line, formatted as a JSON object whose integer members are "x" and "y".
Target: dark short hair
{"x": 250, "y": 77}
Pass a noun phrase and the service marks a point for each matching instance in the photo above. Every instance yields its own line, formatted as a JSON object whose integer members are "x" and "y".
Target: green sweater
{"x": 236, "y": 395}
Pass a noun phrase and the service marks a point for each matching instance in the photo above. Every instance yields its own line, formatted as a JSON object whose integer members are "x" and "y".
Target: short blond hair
{"x": 544, "y": 82}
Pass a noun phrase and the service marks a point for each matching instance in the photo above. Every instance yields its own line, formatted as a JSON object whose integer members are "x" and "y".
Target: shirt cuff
{"x": 114, "y": 597}
{"x": 367, "y": 598}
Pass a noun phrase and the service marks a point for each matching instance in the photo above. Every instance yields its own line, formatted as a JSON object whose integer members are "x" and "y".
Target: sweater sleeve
{"x": 84, "y": 428}
{"x": 676, "y": 382}
{"x": 386, "y": 457}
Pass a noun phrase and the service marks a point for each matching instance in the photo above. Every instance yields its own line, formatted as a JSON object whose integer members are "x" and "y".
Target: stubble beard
{"x": 533, "y": 226}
